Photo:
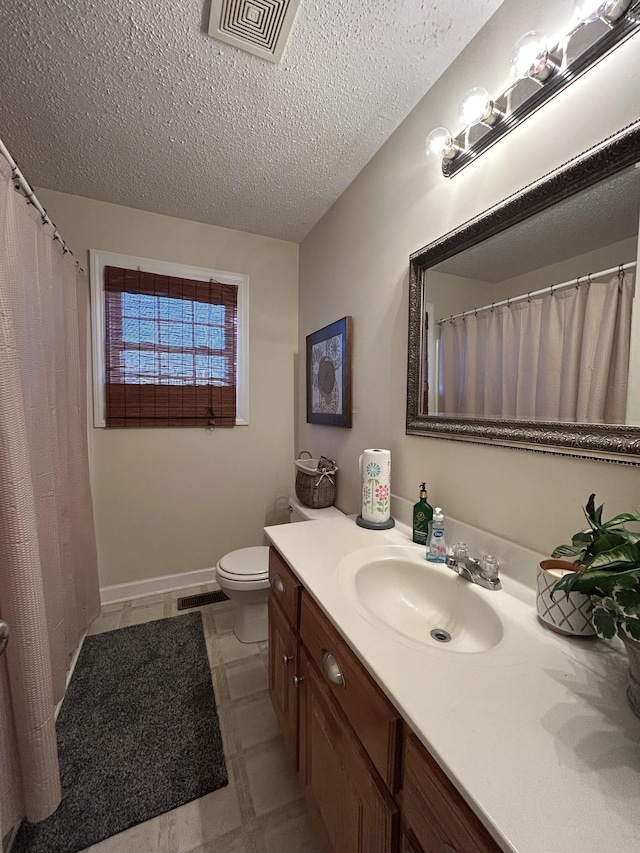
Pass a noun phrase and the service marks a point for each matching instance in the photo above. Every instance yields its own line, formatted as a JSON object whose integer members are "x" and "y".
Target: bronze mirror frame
{"x": 612, "y": 443}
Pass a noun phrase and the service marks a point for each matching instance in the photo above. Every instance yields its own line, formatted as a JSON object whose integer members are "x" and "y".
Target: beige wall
{"x": 452, "y": 294}
{"x": 604, "y": 258}
{"x": 174, "y": 500}
{"x": 355, "y": 261}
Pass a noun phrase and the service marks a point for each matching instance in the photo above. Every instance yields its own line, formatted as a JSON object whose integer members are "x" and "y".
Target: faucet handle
{"x": 460, "y": 549}
{"x": 489, "y": 567}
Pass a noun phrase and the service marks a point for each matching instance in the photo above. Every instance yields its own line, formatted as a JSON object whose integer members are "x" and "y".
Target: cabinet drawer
{"x": 285, "y": 587}
{"x": 438, "y": 816}
{"x": 374, "y": 719}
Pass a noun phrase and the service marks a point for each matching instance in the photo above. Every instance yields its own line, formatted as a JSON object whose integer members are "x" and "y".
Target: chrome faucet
{"x": 483, "y": 572}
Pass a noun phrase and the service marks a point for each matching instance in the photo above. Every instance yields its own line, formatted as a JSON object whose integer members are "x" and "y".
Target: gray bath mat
{"x": 138, "y": 734}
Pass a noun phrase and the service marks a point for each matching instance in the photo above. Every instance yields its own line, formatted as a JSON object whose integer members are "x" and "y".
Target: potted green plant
{"x": 607, "y": 554}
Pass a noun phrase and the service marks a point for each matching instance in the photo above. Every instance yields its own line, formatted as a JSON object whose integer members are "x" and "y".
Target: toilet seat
{"x": 246, "y": 565}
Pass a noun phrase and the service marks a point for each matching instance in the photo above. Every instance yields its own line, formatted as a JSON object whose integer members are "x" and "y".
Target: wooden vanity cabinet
{"x": 350, "y": 806}
{"x": 284, "y": 649}
{"x": 369, "y": 784}
{"x": 374, "y": 720}
{"x": 284, "y": 664}
{"x": 435, "y": 818}
{"x": 285, "y": 588}
{"x": 408, "y": 843}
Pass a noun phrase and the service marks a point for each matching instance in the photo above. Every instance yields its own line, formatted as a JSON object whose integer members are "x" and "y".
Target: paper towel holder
{"x": 376, "y": 525}
{"x": 375, "y": 473}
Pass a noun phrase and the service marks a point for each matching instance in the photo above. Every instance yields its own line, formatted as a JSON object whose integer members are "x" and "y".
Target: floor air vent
{"x": 260, "y": 27}
{"x": 202, "y": 599}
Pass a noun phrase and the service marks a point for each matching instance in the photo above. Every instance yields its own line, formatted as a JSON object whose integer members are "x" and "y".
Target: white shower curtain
{"x": 563, "y": 356}
{"x": 48, "y": 567}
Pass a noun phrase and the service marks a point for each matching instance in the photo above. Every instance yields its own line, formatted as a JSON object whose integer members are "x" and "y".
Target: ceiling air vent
{"x": 260, "y": 27}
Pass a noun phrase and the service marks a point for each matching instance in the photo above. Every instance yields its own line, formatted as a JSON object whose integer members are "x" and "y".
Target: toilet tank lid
{"x": 246, "y": 561}
{"x": 314, "y": 514}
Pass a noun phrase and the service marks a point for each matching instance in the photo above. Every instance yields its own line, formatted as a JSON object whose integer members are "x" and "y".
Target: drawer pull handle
{"x": 297, "y": 680}
{"x": 286, "y": 659}
{"x": 331, "y": 669}
{"x": 276, "y": 583}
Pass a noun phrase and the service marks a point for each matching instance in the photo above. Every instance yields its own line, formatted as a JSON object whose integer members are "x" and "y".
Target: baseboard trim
{"x": 9, "y": 838}
{"x": 167, "y": 583}
{"x": 72, "y": 666}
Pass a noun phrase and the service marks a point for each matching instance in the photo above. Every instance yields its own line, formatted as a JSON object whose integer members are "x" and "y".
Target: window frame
{"x": 99, "y": 259}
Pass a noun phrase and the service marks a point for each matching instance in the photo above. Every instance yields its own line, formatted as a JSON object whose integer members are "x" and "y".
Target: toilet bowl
{"x": 243, "y": 575}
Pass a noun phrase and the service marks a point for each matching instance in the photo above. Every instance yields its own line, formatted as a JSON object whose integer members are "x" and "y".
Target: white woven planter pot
{"x": 570, "y": 616}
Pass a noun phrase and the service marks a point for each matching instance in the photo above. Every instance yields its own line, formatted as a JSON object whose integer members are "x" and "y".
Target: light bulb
{"x": 478, "y": 108}
{"x": 608, "y": 10}
{"x": 531, "y": 58}
{"x": 587, "y": 10}
{"x": 439, "y": 145}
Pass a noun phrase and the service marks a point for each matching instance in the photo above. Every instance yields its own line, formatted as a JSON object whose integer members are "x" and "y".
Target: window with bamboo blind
{"x": 171, "y": 347}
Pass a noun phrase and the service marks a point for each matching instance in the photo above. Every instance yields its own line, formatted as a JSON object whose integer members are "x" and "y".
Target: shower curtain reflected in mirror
{"x": 561, "y": 357}
{"x": 48, "y": 580}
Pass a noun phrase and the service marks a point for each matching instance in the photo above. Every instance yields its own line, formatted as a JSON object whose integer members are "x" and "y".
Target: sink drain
{"x": 441, "y": 635}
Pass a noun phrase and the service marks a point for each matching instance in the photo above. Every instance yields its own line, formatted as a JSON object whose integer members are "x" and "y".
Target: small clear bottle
{"x": 437, "y": 547}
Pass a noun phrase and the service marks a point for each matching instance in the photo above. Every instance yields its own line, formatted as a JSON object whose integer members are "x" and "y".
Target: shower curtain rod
{"x": 25, "y": 188}
{"x": 574, "y": 282}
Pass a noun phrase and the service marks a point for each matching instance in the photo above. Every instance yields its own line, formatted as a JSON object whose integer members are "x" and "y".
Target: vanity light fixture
{"x": 598, "y": 27}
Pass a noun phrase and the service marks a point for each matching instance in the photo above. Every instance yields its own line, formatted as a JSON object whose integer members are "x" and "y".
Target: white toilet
{"x": 243, "y": 575}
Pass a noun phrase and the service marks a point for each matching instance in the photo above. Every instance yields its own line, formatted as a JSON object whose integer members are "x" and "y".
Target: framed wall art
{"x": 329, "y": 375}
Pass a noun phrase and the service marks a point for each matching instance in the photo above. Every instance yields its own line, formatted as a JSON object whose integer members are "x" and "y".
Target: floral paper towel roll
{"x": 375, "y": 472}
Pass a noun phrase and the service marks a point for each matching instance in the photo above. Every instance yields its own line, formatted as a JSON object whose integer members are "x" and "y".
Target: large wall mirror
{"x": 524, "y": 327}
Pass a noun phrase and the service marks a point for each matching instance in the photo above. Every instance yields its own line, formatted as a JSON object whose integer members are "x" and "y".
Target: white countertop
{"x": 535, "y": 734}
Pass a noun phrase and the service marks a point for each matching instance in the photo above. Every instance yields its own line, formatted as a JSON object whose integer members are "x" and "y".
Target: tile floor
{"x": 260, "y": 810}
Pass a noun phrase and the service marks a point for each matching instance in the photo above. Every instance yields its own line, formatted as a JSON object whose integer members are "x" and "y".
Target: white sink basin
{"x": 397, "y": 590}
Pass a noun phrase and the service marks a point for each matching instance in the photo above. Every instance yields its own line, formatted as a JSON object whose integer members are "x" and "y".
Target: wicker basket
{"x": 314, "y": 488}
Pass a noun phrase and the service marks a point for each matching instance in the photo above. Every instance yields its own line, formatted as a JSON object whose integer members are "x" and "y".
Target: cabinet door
{"x": 283, "y": 667}
{"x": 436, "y": 813}
{"x": 352, "y": 810}
{"x": 408, "y": 843}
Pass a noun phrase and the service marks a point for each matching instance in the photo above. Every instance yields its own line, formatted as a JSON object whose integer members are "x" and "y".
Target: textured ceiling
{"x": 601, "y": 215}
{"x": 132, "y": 102}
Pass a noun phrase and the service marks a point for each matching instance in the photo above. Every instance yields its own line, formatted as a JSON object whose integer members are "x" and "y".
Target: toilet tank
{"x": 299, "y": 512}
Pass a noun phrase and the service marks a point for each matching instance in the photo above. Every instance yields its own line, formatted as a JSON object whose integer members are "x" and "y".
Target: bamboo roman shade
{"x": 170, "y": 350}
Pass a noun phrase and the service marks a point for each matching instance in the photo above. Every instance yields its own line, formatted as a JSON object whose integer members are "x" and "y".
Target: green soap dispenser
{"x": 422, "y": 515}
